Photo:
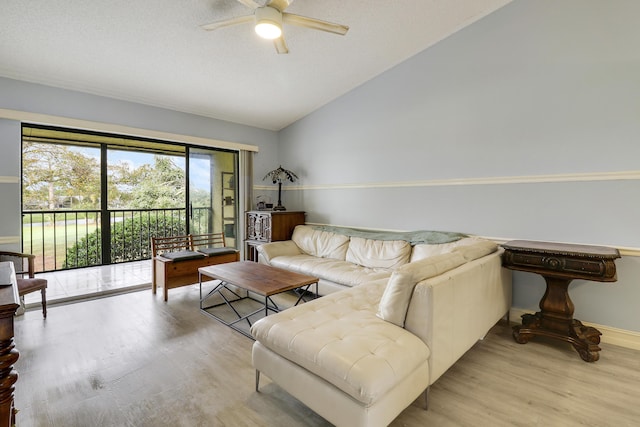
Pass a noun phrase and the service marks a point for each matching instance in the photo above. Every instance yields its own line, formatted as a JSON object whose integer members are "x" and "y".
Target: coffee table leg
{"x": 303, "y": 290}
{"x": 274, "y": 307}
{"x": 200, "y": 281}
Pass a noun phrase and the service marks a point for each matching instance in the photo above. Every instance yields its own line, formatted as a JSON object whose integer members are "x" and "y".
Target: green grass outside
{"x": 42, "y": 240}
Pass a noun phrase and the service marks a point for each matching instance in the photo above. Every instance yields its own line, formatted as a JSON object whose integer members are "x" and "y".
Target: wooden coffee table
{"x": 263, "y": 281}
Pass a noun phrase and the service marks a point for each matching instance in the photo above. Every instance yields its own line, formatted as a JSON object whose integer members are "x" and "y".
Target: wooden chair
{"x": 28, "y": 284}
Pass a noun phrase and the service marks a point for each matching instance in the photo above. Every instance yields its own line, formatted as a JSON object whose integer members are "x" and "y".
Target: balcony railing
{"x": 78, "y": 238}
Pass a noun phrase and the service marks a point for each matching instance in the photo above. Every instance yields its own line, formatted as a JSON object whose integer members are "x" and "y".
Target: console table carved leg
{"x": 585, "y": 340}
{"x": 555, "y": 320}
{"x": 530, "y": 324}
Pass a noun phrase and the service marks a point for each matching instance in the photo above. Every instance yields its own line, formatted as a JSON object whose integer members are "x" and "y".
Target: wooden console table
{"x": 559, "y": 264}
{"x": 9, "y": 303}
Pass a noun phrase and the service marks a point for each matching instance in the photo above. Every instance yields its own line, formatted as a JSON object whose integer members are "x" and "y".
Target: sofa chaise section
{"x": 341, "y": 360}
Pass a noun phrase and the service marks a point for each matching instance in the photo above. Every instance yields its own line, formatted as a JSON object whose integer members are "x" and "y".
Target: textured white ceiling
{"x": 154, "y": 51}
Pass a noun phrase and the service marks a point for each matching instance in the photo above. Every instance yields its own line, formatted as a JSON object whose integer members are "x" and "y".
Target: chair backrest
{"x": 160, "y": 245}
{"x": 24, "y": 263}
{"x": 207, "y": 240}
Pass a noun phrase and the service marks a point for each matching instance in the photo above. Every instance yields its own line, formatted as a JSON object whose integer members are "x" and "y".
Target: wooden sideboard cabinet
{"x": 9, "y": 303}
{"x": 269, "y": 226}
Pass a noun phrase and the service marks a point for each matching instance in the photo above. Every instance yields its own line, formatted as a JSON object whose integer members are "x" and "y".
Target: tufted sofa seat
{"x": 339, "y": 338}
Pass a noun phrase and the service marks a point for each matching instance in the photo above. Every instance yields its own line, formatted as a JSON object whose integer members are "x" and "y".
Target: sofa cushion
{"x": 397, "y": 295}
{"x": 217, "y": 251}
{"x": 182, "y": 255}
{"x": 339, "y": 338}
{"x": 322, "y": 244}
{"x": 341, "y": 272}
{"x": 423, "y": 250}
{"x": 388, "y": 254}
{"x": 477, "y": 250}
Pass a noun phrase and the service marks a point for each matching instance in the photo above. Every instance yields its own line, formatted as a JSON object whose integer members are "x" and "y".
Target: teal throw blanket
{"x": 413, "y": 237}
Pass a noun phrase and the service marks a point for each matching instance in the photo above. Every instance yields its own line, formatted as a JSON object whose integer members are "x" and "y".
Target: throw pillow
{"x": 395, "y": 299}
{"x": 397, "y": 295}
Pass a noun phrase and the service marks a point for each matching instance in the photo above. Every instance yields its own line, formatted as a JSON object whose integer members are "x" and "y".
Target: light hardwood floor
{"x": 133, "y": 360}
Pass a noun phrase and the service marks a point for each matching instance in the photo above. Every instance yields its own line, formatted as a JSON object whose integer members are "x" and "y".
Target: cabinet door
{"x": 259, "y": 226}
{"x": 283, "y": 223}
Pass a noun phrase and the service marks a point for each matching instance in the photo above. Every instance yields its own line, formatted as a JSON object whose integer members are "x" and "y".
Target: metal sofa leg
{"x": 426, "y": 399}
{"x": 44, "y": 302}
{"x": 257, "y": 380}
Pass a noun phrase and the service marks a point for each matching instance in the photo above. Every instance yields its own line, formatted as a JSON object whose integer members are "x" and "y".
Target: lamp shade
{"x": 268, "y": 23}
{"x": 277, "y": 176}
{"x": 280, "y": 174}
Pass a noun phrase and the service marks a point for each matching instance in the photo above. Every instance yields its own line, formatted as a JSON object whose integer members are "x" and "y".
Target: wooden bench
{"x": 176, "y": 259}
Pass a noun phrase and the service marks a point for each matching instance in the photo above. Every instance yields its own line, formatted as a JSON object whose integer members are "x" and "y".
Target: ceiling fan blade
{"x": 316, "y": 24}
{"x": 227, "y": 22}
{"x": 281, "y": 5}
{"x": 280, "y": 45}
{"x": 251, "y": 4}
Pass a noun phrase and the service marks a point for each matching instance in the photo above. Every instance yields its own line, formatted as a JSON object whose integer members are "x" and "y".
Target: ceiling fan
{"x": 269, "y": 17}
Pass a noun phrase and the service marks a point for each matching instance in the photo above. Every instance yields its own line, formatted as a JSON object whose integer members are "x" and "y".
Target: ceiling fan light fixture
{"x": 268, "y": 22}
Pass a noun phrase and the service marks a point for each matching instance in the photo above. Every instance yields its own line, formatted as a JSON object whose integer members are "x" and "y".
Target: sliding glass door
{"x": 213, "y": 192}
{"x": 92, "y": 199}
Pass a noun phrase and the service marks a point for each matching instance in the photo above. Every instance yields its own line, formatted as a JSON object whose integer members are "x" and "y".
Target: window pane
{"x": 138, "y": 180}
{"x": 60, "y": 177}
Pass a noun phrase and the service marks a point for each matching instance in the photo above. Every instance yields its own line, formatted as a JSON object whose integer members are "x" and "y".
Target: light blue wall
{"x": 9, "y": 187}
{"x": 536, "y": 88}
{"x": 34, "y": 98}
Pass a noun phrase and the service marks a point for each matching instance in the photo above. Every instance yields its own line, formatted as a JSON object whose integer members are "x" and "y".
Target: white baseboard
{"x": 610, "y": 335}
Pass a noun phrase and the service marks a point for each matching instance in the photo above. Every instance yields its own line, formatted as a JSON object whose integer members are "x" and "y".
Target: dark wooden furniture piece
{"x": 24, "y": 264}
{"x": 259, "y": 279}
{"x": 9, "y": 303}
{"x": 269, "y": 226}
{"x": 176, "y": 259}
{"x": 559, "y": 264}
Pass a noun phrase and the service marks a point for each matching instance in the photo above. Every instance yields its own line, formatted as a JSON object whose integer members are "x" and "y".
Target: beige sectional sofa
{"x": 395, "y": 316}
